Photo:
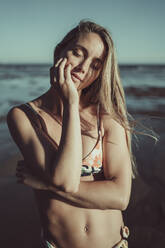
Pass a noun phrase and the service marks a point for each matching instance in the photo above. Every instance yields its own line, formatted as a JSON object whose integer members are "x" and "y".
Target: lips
{"x": 76, "y": 76}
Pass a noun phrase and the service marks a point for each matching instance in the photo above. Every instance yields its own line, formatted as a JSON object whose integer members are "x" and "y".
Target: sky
{"x": 30, "y": 29}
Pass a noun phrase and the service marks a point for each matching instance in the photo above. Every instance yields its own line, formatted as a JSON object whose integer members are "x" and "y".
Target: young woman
{"x": 75, "y": 141}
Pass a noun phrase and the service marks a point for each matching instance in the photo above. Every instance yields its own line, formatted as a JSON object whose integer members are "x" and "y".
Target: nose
{"x": 83, "y": 66}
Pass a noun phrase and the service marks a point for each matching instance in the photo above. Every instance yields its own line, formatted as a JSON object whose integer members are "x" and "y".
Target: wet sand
{"x": 145, "y": 214}
{"x": 19, "y": 220}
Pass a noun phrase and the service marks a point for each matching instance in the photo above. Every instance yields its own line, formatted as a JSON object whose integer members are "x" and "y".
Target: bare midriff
{"x": 74, "y": 227}
{"x": 69, "y": 226}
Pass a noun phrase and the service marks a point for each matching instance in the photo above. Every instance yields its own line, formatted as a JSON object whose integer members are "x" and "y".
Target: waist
{"x": 115, "y": 241}
{"x": 123, "y": 242}
{"x": 91, "y": 226}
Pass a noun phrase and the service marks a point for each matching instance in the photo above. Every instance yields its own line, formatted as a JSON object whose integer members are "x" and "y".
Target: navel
{"x": 86, "y": 228}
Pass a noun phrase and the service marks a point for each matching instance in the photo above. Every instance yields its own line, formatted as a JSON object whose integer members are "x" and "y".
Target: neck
{"x": 51, "y": 101}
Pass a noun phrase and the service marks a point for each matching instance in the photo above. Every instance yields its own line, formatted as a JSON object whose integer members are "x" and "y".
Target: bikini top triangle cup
{"x": 92, "y": 162}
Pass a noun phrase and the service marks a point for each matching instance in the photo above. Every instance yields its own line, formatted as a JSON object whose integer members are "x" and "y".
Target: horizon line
{"x": 49, "y": 63}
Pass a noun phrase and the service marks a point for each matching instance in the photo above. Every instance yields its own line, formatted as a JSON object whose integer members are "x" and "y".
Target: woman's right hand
{"x": 61, "y": 80}
{"x": 25, "y": 177}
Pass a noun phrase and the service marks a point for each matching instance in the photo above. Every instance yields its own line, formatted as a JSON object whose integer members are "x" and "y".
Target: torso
{"x": 70, "y": 226}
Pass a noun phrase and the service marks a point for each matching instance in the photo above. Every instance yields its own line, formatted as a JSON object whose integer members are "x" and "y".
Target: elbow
{"x": 71, "y": 185}
{"x": 124, "y": 203}
{"x": 67, "y": 187}
{"x": 119, "y": 203}
{"x": 71, "y": 188}
{"x": 123, "y": 206}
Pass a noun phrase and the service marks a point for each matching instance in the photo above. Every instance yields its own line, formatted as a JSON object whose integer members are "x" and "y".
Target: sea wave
{"x": 144, "y": 87}
{"x": 143, "y": 67}
{"x": 145, "y": 91}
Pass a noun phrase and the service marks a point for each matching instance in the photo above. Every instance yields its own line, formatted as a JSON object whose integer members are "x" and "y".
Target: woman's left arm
{"x": 114, "y": 191}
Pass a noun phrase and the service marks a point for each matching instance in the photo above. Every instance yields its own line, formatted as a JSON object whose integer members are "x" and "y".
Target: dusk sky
{"x": 29, "y": 30}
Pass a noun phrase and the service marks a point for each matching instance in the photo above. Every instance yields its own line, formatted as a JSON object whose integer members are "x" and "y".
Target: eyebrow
{"x": 86, "y": 52}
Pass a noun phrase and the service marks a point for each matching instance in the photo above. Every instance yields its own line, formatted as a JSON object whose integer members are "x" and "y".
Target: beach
{"x": 19, "y": 225}
{"x": 145, "y": 216}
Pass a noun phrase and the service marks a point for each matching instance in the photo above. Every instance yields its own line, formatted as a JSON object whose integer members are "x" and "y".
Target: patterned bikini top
{"x": 92, "y": 162}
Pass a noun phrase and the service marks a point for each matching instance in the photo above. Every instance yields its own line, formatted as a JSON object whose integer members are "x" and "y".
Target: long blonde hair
{"x": 107, "y": 90}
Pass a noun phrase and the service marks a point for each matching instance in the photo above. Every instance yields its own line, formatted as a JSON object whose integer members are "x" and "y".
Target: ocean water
{"x": 144, "y": 87}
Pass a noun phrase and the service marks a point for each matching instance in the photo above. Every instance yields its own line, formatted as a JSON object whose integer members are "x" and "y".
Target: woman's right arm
{"x": 68, "y": 163}
{"x": 67, "y": 160}
{"x": 39, "y": 154}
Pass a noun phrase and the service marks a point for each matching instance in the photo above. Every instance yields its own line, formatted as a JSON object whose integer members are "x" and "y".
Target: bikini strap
{"x": 34, "y": 117}
{"x": 98, "y": 119}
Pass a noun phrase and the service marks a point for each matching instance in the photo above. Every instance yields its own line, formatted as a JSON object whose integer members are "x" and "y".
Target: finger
{"x": 20, "y": 166}
{"x": 58, "y": 62}
{"x": 20, "y": 180}
{"x": 55, "y": 72}
{"x": 19, "y": 174}
{"x": 68, "y": 73}
{"x": 19, "y": 169}
{"x": 61, "y": 71}
{"x": 55, "y": 68}
{"x": 55, "y": 77}
{"x": 22, "y": 170}
{"x": 20, "y": 162}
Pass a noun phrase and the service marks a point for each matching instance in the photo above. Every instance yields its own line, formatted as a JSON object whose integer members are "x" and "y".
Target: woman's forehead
{"x": 93, "y": 44}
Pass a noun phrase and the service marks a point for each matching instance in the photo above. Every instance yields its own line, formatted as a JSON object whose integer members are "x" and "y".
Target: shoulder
{"x": 18, "y": 123}
{"x": 112, "y": 126}
{"x": 115, "y": 143}
{"x": 16, "y": 116}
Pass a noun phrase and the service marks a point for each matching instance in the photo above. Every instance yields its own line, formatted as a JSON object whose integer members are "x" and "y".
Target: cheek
{"x": 91, "y": 77}
{"x": 94, "y": 75}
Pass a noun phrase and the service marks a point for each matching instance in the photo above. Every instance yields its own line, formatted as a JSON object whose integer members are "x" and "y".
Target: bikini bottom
{"x": 46, "y": 244}
{"x": 123, "y": 243}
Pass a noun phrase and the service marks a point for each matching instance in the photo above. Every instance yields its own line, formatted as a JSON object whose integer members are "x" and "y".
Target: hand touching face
{"x": 86, "y": 57}
{"x": 62, "y": 80}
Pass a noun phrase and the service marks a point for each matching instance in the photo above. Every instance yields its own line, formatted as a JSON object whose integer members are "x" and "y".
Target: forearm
{"x": 102, "y": 194}
{"x": 95, "y": 195}
{"x": 68, "y": 160}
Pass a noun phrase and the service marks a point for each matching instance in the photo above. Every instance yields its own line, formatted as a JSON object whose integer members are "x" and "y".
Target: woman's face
{"x": 86, "y": 57}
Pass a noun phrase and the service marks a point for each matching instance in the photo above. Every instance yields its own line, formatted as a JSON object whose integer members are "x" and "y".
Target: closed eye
{"x": 77, "y": 52}
{"x": 96, "y": 66}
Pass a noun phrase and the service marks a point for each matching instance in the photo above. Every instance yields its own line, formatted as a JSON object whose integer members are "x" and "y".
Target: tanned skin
{"x": 76, "y": 212}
